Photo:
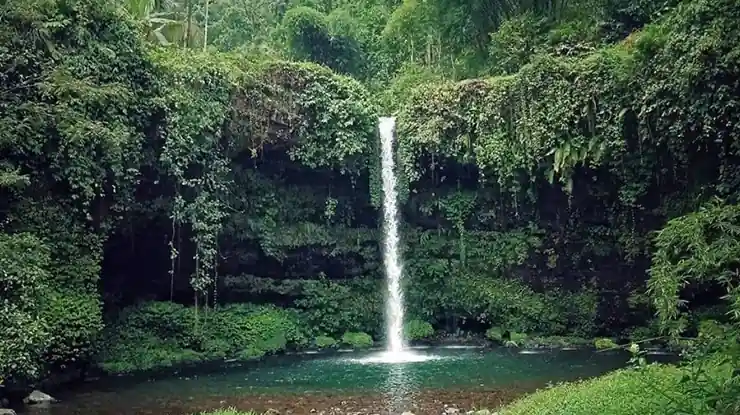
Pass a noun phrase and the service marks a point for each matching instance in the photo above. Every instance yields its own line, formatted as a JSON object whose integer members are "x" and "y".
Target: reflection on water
{"x": 398, "y": 388}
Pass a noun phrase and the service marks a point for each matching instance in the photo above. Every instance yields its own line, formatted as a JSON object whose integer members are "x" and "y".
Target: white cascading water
{"x": 396, "y": 351}
{"x": 393, "y": 268}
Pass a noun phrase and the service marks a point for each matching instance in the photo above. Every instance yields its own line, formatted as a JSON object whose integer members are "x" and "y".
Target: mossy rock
{"x": 495, "y": 334}
{"x": 357, "y": 340}
{"x": 556, "y": 342}
{"x": 250, "y": 353}
{"x": 506, "y": 337}
{"x": 605, "y": 343}
{"x": 324, "y": 342}
{"x": 517, "y": 337}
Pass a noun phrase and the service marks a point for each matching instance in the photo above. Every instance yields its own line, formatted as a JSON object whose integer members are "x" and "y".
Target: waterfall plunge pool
{"x": 339, "y": 383}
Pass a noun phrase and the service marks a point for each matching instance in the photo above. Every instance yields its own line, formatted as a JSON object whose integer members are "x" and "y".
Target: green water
{"x": 461, "y": 370}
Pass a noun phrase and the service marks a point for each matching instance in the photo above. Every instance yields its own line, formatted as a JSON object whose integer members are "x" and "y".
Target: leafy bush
{"x": 77, "y": 323}
{"x": 639, "y": 333}
{"x": 515, "y": 42}
{"x": 498, "y": 335}
{"x": 324, "y": 342}
{"x": 164, "y": 319}
{"x": 701, "y": 247}
{"x": 331, "y": 308}
{"x": 418, "y": 330}
{"x": 268, "y": 329}
{"x": 327, "y": 40}
{"x": 407, "y": 78}
{"x": 574, "y": 313}
{"x": 141, "y": 351}
{"x": 163, "y": 334}
{"x": 24, "y": 276}
{"x": 357, "y": 340}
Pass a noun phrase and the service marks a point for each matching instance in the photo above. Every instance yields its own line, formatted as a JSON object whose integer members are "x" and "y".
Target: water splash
{"x": 393, "y": 268}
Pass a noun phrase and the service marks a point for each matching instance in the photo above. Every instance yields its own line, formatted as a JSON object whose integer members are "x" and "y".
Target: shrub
{"x": 357, "y": 340}
{"x": 515, "y": 42}
{"x": 324, "y": 342}
{"x": 160, "y": 334}
{"x": 240, "y": 326}
{"x": 163, "y": 319}
{"x": 418, "y": 330}
{"x": 605, "y": 343}
{"x": 24, "y": 275}
{"x": 331, "y": 308}
{"x": 76, "y": 324}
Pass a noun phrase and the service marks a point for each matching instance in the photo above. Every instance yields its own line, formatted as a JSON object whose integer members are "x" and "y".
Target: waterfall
{"x": 396, "y": 351}
{"x": 391, "y": 260}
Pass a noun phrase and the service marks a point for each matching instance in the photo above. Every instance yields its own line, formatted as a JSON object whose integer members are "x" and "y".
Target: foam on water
{"x": 387, "y": 357}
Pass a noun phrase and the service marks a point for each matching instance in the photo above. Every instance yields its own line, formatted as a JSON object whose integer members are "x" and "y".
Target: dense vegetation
{"x": 199, "y": 180}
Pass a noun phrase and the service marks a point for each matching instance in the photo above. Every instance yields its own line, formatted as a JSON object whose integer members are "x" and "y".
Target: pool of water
{"x": 339, "y": 383}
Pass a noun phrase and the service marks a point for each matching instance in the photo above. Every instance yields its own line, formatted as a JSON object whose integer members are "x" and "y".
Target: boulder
{"x": 6, "y": 411}
{"x": 37, "y": 398}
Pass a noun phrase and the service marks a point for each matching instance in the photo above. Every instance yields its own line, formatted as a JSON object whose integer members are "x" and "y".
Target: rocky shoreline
{"x": 424, "y": 402}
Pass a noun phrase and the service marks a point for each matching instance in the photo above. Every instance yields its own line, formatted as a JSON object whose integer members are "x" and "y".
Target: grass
{"x": 652, "y": 390}
{"x": 624, "y": 392}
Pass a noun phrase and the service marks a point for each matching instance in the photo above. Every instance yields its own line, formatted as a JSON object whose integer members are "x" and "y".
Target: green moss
{"x": 517, "y": 337}
{"x": 495, "y": 334}
{"x": 556, "y": 341}
{"x": 357, "y": 340}
{"x": 605, "y": 343}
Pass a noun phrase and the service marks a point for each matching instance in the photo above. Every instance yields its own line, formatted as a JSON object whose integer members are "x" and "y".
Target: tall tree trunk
{"x": 188, "y": 32}
{"x": 205, "y": 29}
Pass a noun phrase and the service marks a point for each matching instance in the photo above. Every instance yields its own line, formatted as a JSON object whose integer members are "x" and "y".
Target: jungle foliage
{"x": 222, "y": 155}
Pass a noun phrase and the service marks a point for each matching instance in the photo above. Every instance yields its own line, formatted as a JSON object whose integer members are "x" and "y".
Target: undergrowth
{"x": 651, "y": 390}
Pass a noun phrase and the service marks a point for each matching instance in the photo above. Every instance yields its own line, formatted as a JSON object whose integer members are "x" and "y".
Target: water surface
{"x": 338, "y": 384}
